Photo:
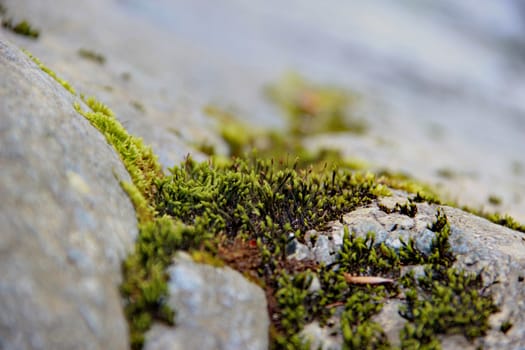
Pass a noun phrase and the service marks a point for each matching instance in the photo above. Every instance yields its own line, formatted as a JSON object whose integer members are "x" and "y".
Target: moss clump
{"x": 494, "y": 200}
{"x": 138, "y": 159}
{"x": 312, "y": 108}
{"x": 400, "y": 181}
{"x": 408, "y": 209}
{"x": 358, "y": 331}
{"x": 92, "y": 56}
{"x": 258, "y": 199}
{"x": 272, "y": 144}
{"x": 144, "y": 285}
{"x": 21, "y": 28}
{"x": 443, "y": 301}
{"x": 291, "y": 296}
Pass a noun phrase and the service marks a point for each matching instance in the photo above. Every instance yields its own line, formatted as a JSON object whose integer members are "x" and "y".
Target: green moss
{"x": 204, "y": 257}
{"x": 312, "y": 109}
{"x": 443, "y": 301}
{"x": 505, "y": 326}
{"x": 408, "y": 209}
{"x": 145, "y": 212}
{"x": 138, "y": 159}
{"x": 145, "y": 280}
{"x": 52, "y": 74}
{"x": 92, "y": 56}
{"x": 242, "y": 212}
{"x": 504, "y": 220}
{"x": 291, "y": 295}
{"x": 358, "y": 331}
{"x": 494, "y": 200}
{"x": 400, "y": 181}
{"x": 21, "y": 28}
{"x": 260, "y": 198}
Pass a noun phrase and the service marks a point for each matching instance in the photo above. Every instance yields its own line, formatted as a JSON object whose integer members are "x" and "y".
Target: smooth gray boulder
{"x": 65, "y": 222}
{"x": 216, "y": 309}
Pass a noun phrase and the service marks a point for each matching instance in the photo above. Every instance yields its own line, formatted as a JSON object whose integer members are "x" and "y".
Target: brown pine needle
{"x": 366, "y": 279}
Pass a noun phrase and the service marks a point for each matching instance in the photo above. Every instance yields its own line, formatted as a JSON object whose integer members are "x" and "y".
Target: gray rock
{"x": 494, "y": 251}
{"x": 498, "y": 253}
{"x": 324, "y": 338}
{"x": 65, "y": 222}
{"x": 298, "y": 251}
{"x": 216, "y": 308}
{"x": 323, "y": 251}
{"x": 390, "y": 320}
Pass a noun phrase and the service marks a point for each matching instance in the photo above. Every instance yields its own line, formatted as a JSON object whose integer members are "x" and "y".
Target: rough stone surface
{"x": 65, "y": 223}
{"x": 326, "y": 338}
{"x": 498, "y": 253}
{"x": 216, "y": 308}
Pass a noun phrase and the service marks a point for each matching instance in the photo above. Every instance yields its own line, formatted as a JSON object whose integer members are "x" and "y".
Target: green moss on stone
{"x": 21, "y": 28}
{"x": 312, "y": 108}
{"x": 358, "y": 330}
{"x": 52, "y": 74}
{"x": 92, "y": 56}
{"x": 243, "y": 211}
{"x": 443, "y": 301}
{"x": 138, "y": 159}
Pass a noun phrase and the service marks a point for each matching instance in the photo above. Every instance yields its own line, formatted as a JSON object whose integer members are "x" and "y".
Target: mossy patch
{"x": 92, "y": 56}
{"x": 242, "y": 211}
{"x": 313, "y": 108}
{"x": 21, "y": 28}
{"x": 138, "y": 159}
{"x": 443, "y": 301}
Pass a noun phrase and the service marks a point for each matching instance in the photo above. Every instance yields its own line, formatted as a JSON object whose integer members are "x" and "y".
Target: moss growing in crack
{"x": 443, "y": 301}
{"x": 291, "y": 296}
{"x": 357, "y": 304}
{"x": 145, "y": 281}
{"x": 52, "y": 74}
{"x": 362, "y": 257}
{"x": 138, "y": 159}
{"x": 357, "y": 328}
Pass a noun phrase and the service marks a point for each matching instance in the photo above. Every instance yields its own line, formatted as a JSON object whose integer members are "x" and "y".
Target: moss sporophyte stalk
{"x": 241, "y": 211}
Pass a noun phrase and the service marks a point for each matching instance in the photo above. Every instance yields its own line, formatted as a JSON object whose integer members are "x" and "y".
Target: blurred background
{"x": 441, "y": 85}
